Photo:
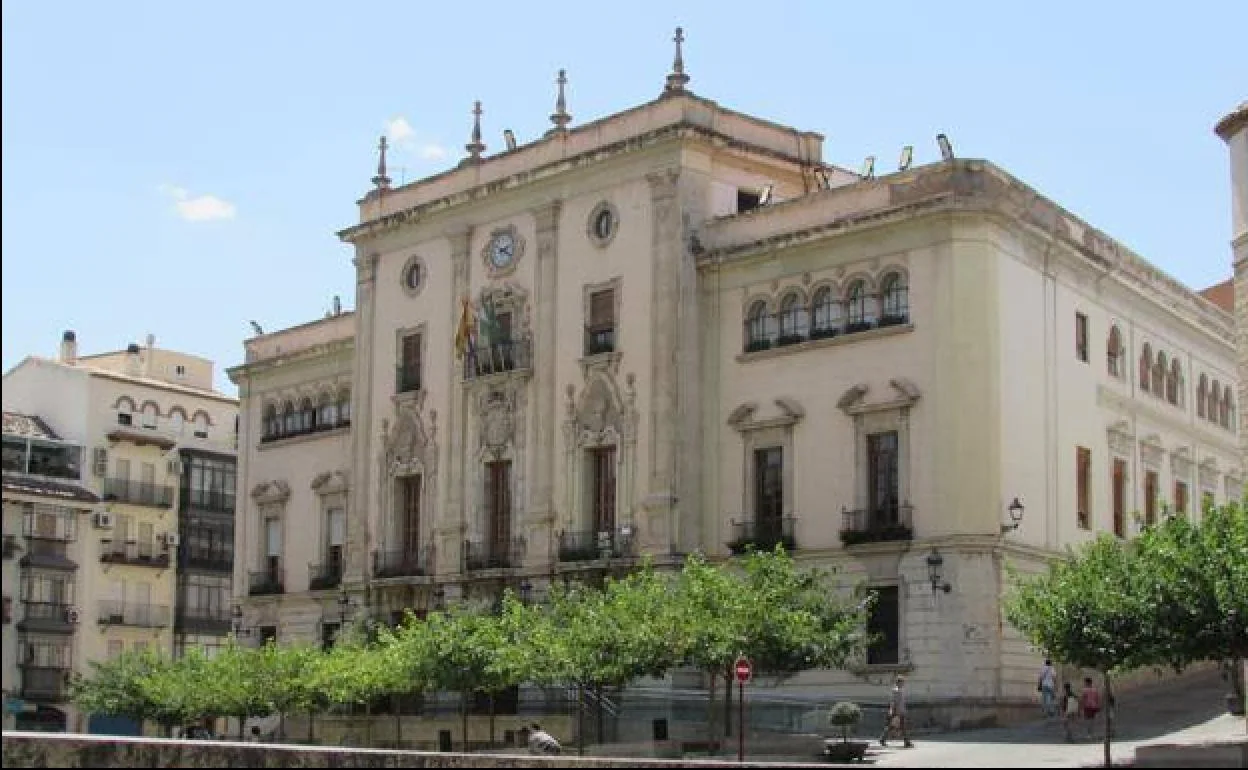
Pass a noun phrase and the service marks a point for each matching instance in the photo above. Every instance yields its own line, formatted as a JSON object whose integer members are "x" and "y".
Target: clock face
{"x": 502, "y": 250}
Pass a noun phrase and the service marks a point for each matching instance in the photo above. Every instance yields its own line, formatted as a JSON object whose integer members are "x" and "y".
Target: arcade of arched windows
{"x": 305, "y": 412}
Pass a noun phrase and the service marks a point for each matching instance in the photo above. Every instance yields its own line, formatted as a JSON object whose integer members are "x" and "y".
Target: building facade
{"x": 678, "y": 329}
{"x": 134, "y": 415}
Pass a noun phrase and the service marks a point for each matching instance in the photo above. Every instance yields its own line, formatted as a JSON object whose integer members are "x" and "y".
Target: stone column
{"x": 541, "y": 514}
{"x": 355, "y": 570}
{"x": 453, "y": 520}
{"x": 660, "y": 530}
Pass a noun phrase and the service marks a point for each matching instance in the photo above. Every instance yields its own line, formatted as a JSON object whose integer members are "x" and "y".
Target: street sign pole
{"x": 743, "y": 671}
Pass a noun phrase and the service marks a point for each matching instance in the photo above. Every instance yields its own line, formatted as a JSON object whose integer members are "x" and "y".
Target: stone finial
{"x": 381, "y": 181}
{"x": 677, "y": 79}
{"x": 561, "y": 118}
{"x": 475, "y": 147}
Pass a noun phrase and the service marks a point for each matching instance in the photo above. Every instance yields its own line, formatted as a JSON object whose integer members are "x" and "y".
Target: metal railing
{"x": 202, "y": 620}
{"x": 875, "y": 525}
{"x": 48, "y": 522}
{"x": 773, "y": 330}
{"x": 403, "y": 562}
{"x": 406, "y": 379}
{"x": 589, "y": 545}
{"x": 113, "y": 612}
{"x": 601, "y": 340}
{"x": 764, "y": 533}
{"x": 47, "y": 616}
{"x": 324, "y": 576}
{"x": 497, "y": 357}
{"x": 138, "y": 492}
{"x": 207, "y": 559}
{"x": 134, "y": 554}
{"x": 265, "y": 582}
{"x": 493, "y": 554}
{"x": 209, "y": 499}
{"x": 45, "y": 683}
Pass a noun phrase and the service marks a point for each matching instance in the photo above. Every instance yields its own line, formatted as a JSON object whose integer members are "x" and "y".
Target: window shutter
{"x": 411, "y": 353}
{"x": 602, "y": 309}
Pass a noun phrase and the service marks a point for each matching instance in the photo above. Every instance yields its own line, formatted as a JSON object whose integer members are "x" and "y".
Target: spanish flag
{"x": 463, "y": 334}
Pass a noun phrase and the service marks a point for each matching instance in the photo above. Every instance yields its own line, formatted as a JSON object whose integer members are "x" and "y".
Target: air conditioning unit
{"x": 170, "y": 539}
{"x": 71, "y": 615}
{"x": 99, "y": 461}
{"x": 103, "y": 519}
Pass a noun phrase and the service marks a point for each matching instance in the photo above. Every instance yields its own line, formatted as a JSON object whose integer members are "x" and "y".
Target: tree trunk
{"x": 598, "y": 690}
{"x": 241, "y": 723}
{"x": 281, "y": 726}
{"x": 463, "y": 716}
{"x": 710, "y": 707}
{"x": 311, "y": 727}
{"x": 728, "y": 705}
{"x": 368, "y": 723}
{"x": 397, "y": 702}
{"x": 491, "y": 719}
{"x": 580, "y": 720}
{"x": 1109, "y": 719}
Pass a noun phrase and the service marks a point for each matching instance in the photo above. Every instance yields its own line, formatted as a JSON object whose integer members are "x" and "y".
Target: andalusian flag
{"x": 463, "y": 334}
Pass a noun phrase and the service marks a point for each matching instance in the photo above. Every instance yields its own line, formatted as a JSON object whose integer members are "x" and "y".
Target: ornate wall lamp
{"x": 1015, "y": 510}
{"x": 935, "y": 569}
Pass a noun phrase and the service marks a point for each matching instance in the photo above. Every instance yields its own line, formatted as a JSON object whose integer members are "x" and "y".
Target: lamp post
{"x": 935, "y": 565}
{"x": 1015, "y": 509}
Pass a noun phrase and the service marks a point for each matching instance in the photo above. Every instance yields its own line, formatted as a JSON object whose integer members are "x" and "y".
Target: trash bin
{"x": 660, "y": 729}
{"x": 444, "y": 741}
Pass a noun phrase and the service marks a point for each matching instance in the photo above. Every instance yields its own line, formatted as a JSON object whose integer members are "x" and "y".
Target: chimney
{"x": 147, "y": 360}
{"x": 132, "y": 358}
{"x": 69, "y": 347}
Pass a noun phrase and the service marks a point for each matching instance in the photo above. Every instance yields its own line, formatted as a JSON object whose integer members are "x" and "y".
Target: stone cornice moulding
{"x": 742, "y": 418}
{"x": 302, "y": 356}
{"x": 267, "y": 492}
{"x": 852, "y": 402}
{"x": 331, "y": 483}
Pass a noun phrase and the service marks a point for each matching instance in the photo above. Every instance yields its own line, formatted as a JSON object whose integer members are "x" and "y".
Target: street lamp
{"x": 344, "y": 604}
{"x": 935, "y": 563}
{"x": 1016, "y": 516}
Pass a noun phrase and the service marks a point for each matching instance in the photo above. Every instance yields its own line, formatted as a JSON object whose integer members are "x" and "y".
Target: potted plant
{"x": 844, "y": 715}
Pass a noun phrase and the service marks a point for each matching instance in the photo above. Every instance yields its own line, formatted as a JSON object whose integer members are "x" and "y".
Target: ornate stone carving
{"x": 601, "y": 417}
{"x": 497, "y": 422}
{"x": 1120, "y": 438}
{"x": 1181, "y": 463}
{"x": 407, "y": 449}
{"x": 267, "y": 492}
{"x": 1152, "y": 452}
{"x": 1209, "y": 474}
{"x": 331, "y": 482}
{"x": 851, "y": 397}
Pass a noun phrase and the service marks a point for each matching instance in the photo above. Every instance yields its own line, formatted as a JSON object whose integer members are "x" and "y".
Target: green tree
{"x": 116, "y": 687}
{"x": 237, "y": 681}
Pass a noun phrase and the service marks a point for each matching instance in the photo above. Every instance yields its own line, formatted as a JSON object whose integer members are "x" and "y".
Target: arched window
{"x": 1146, "y": 367}
{"x": 858, "y": 307}
{"x": 1158, "y": 386}
{"x": 1224, "y": 417}
{"x": 176, "y": 421}
{"x": 757, "y": 333}
{"x": 1211, "y": 409}
{"x": 344, "y": 406}
{"x": 1201, "y": 390}
{"x": 895, "y": 296}
{"x": 793, "y": 324}
{"x": 1173, "y": 382}
{"x": 327, "y": 413}
{"x": 827, "y": 313}
{"x": 272, "y": 425}
{"x": 290, "y": 419}
{"x": 150, "y": 413}
{"x": 1114, "y": 352}
{"x": 307, "y": 415}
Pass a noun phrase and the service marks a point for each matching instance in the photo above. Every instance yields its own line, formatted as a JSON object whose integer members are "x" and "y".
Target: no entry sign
{"x": 743, "y": 669}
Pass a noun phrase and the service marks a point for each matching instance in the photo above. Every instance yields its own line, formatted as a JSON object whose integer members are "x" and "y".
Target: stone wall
{"x": 58, "y": 750}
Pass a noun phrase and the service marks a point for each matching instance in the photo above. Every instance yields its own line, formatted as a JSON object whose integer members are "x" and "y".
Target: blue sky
{"x": 181, "y": 168}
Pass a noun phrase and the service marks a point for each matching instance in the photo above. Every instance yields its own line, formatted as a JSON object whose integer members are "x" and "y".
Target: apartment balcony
{"x": 53, "y": 554}
{"x": 207, "y": 560}
{"x": 208, "y": 499}
{"x": 138, "y": 493}
{"x": 601, "y": 340}
{"x": 198, "y": 620}
{"x": 265, "y": 583}
{"x": 403, "y": 562}
{"x": 795, "y": 327}
{"x": 878, "y": 525}
{"x": 406, "y": 379}
{"x": 50, "y": 523}
{"x": 497, "y": 358}
{"x": 47, "y": 684}
{"x": 115, "y": 613}
{"x": 590, "y": 545}
{"x": 11, "y": 548}
{"x": 48, "y": 617}
{"x": 322, "y": 577}
{"x": 493, "y": 554}
{"x": 134, "y": 554}
{"x": 763, "y": 534}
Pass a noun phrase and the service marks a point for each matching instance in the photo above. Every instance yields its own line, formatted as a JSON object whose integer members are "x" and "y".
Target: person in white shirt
{"x": 542, "y": 742}
{"x": 1047, "y": 686}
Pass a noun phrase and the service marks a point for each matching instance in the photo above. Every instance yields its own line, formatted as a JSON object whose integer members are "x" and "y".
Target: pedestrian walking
{"x": 1070, "y": 712}
{"x": 896, "y": 722}
{"x": 1046, "y": 685}
{"x": 1090, "y": 702}
{"x": 542, "y": 742}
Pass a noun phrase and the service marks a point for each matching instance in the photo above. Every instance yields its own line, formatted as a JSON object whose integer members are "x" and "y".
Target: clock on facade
{"x": 502, "y": 250}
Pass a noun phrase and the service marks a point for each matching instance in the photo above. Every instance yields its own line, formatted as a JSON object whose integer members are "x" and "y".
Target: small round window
{"x": 603, "y": 222}
{"x": 413, "y": 275}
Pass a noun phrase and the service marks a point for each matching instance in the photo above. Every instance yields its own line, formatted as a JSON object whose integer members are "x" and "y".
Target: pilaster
{"x": 541, "y": 514}
{"x": 452, "y": 522}
{"x": 356, "y": 568}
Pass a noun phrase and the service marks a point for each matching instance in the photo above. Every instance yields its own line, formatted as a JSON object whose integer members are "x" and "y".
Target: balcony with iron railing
{"x": 48, "y": 617}
{"x": 322, "y": 577}
{"x": 493, "y": 554}
{"x": 138, "y": 492}
{"x": 209, "y": 559}
{"x": 48, "y": 684}
{"x": 50, "y": 523}
{"x": 496, "y": 358}
{"x": 53, "y": 554}
{"x": 11, "y": 548}
{"x": 792, "y": 327}
{"x": 202, "y": 620}
{"x": 885, "y": 523}
{"x": 134, "y": 554}
{"x": 265, "y": 582}
{"x": 599, "y": 340}
{"x": 403, "y": 562}
{"x": 406, "y": 379}
{"x": 591, "y": 545}
{"x": 763, "y": 533}
{"x": 117, "y": 613}
{"x": 216, "y": 500}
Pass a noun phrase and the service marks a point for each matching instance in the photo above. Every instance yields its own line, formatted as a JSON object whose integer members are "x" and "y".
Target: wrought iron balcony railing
{"x": 322, "y": 577}
{"x": 265, "y": 583}
{"x": 763, "y": 533}
{"x": 50, "y": 617}
{"x": 403, "y": 562}
{"x": 497, "y": 357}
{"x": 882, "y": 524}
{"x": 589, "y": 545}
{"x": 45, "y": 683}
{"x": 138, "y": 492}
{"x": 493, "y": 554}
{"x": 134, "y": 554}
{"x": 200, "y": 620}
{"x": 208, "y": 499}
{"x": 117, "y": 613}
{"x": 601, "y": 340}
{"x": 406, "y": 379}
{"x": 207, "y": 559}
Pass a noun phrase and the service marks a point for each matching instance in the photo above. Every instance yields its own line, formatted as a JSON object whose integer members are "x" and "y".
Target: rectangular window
{"x": 1180, "y": 498}
{"x": 884, "y": 627}
{"x": 498, "y": 505}
{"x": 146, "y": 539}
{"x": 410, "y": 488}
{"x": 336, "y": 519}
{"x": 1083, "y": 487}
{"x": 1081, "y": 337}
{"x": 602, "y": 478}
{"x": 1151, "y": 491}
{"x": 600, "y": 333}
{"x": 409, "y": 364}
{"x": 748, "y": 200}
{"x": 123, "y": 468}
{"x": 272, "y": 544}
{"x": 883, "y": 493}
{"x": 1120, "y": 497}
